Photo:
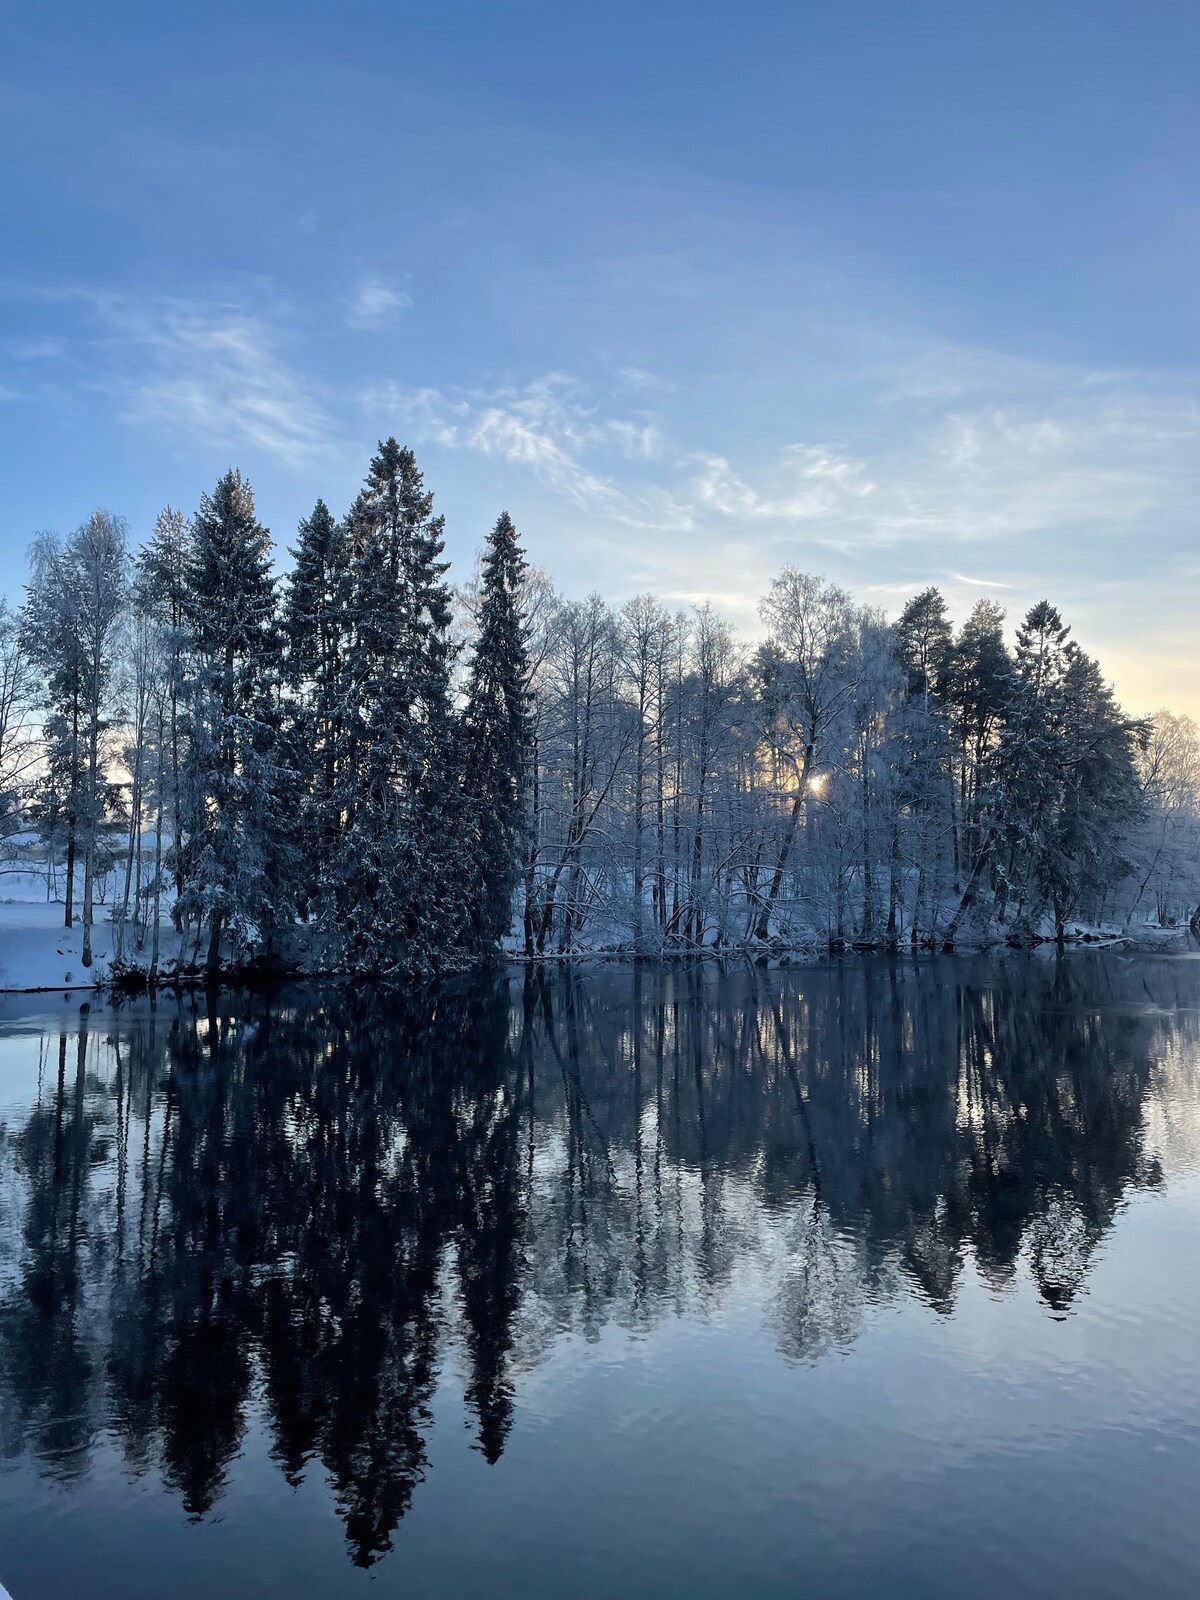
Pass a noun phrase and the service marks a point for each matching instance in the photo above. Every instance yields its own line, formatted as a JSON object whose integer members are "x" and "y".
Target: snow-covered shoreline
{"x": 39, "y": 955}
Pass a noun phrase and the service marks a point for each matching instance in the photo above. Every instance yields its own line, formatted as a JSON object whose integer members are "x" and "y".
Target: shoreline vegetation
{"x": 129, "y": 978}
{"x": 357, "y": 769}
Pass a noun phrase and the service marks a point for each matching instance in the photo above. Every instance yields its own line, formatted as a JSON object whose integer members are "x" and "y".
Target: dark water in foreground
{"x": 873, "y": 1281}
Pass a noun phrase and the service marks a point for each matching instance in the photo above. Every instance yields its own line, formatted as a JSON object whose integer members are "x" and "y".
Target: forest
{"x": 357, "y": 766}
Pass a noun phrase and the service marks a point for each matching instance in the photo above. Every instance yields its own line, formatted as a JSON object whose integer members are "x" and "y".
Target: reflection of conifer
{"x": 313, "y": 1165}
{"x": 489, "y": 1249}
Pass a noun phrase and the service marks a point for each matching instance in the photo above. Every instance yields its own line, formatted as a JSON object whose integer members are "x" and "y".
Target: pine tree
{"x": 394, "y": 897}
{"x": 979, "y": 693}
{"x": 238, "y": 865}
{"x": 923, "y": 643}
{"x": 496, "y": 741}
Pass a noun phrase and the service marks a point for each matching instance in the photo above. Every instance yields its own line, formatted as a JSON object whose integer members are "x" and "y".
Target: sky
{"x": 899, "y": 294}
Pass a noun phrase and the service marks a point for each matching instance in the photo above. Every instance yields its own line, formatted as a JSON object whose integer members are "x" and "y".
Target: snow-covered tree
{"x": 161, "y": 595}
{"x": 315, "y": 626}
{"x": 393, "y": 896}
{"x": 807, "y": 674}
{"x": 99, "y": 561}
{"x": 53, "y": 642}
{"x": 496, "y": 742}
{"x": 73, "y": 615}
{"x": 238, "y": 859}
{"x": 1166, "y": 845}
{"x": 19, "y": 745}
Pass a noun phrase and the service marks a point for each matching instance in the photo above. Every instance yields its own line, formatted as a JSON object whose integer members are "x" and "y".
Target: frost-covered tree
{"x": 644, "y": 634}
{"x": 979, "y": 695}
{"x": 315, "y": 626}
{"x": 924, "y": 643}
{"x": 807, "y": 675}
{"x": 1166, "y": 845}
{"x": 75, "y": 607}
{"x": 98, "y": 559}
{"x": 19, "y": 745}
{"x": 1098, "y": 794}
{"x": 53, "y": 642}
{"x": 238, "y": 860}
{"x": 1062, "y": 789}
{"x": 586, "y": 734}
{"x": 496, "y": 742}
{"x": 162, "y": 589}
{"x": 394, "y": 888}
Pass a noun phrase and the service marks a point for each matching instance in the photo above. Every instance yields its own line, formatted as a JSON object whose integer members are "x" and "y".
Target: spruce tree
{"x": 1099, "y": 795}
{"x": 162, "y": 589}
{"x": 395, "y": 882}
{"x": 238, "y": 865}
{"x": 496, "y": 740}
{"x": 314, "y": 627}
{"x": 1028, "y": 759}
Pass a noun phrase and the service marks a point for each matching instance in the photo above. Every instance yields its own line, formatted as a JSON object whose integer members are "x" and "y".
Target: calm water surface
{"x": 871, "y": 1281}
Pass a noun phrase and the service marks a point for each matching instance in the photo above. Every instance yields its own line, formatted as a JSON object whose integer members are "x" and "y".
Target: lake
{"x": 876, "y": 1279}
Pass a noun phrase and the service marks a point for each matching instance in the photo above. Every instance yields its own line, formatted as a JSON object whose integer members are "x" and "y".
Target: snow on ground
{"x": 38, "y": 952}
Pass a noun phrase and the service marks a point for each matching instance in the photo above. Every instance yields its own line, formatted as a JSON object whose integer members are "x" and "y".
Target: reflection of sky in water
{"x": 860, "y": 1279}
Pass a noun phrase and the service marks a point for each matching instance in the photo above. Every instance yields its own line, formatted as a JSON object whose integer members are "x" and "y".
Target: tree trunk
{"x": 89, "y": 854}
{"x": 763, "y": 927}
{"x": 971, "y": 889}
{"x": 868, "y": 916}
{"x": 158, "y": 833}
{"x": 639, "y": 779}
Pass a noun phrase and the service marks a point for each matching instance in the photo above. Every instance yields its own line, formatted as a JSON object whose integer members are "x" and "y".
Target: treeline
{"x": 305, "y": 777}
{"x": 359, "y": 768}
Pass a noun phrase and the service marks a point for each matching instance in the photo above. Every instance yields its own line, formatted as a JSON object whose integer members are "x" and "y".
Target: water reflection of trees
{"x": 315, "y": 1206}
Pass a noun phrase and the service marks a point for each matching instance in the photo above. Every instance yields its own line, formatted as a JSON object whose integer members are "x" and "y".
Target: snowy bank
{"x": 37, "y": 952}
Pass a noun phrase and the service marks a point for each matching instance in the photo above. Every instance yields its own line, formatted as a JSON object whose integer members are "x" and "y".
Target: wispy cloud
{"x": 945, "y": 462}
{"x": 551, "y": 429}
{"x": 1092, "y": 459}
{"x": 806, "y": 482}
{"x": 196, "y": 369}
{"x": 980, "y": 583}
{"x": 377, "y": 303}
{"x": 1047, "y": 473}
{"x": 213, "y": 373}
{"x": 34, "y": 349}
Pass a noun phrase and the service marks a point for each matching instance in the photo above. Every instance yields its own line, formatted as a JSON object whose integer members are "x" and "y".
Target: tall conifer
{"x": 314, "y": 628}
{"x": 496, "y": 740}
{"x": 238, "y": 864}
{"x": 394, "y": 903}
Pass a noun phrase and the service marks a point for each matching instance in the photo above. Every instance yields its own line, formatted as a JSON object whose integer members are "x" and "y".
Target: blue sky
{"x": 903, "y": 294}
